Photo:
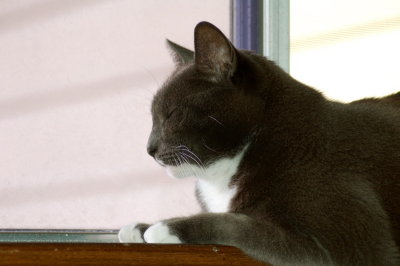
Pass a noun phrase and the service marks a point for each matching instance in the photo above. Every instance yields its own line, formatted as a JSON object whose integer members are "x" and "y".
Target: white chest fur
{"x": 214, "y": 185}
{"x": 216, "y": 199}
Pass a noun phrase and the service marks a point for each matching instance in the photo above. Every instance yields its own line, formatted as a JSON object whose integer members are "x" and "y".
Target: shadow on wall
{"x": 80, "y": 189}
{"x": 39, "y": 11}
{"x": 37, "y": 102}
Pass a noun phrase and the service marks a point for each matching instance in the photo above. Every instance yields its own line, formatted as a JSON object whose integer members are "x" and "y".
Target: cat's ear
{"x": 180, "y": 54}
{"x": 214, "y": 53}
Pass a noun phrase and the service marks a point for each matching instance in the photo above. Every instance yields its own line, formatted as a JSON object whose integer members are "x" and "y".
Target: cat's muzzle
{"x": 167, "y": 159}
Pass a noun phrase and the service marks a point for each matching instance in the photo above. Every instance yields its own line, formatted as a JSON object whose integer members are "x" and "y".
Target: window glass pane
{"x": 346, "y": 49}
{"x": 77, "y": 78}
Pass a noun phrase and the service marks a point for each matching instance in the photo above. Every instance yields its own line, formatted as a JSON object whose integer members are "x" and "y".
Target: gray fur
{"x": 180, "y": 54}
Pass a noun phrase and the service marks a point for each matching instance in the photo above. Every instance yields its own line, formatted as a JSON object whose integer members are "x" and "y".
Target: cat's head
{"x": 208, "y": 108}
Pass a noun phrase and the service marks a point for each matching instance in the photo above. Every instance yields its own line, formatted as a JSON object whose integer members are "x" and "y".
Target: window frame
{"x": 58, "y": 236}
{"x": 277, "y": 32}
{"x": 262, "y": 26}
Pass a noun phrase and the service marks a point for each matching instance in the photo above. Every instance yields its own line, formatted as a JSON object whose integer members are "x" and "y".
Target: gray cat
{"x": 284, "y": 174}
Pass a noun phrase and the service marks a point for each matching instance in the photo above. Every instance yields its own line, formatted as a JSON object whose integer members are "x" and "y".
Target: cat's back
{"x": 364, "y": 123}
{"x": 368, "y": 136}
{"x": 365, "y": 140}
{"x": 390, "y": 100}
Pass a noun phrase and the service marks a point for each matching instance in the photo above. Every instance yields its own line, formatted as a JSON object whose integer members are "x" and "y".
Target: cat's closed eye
{"x": 170, "y": 112}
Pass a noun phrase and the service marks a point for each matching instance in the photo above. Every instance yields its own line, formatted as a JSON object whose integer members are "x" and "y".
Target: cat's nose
{"x": 151, "y": 149}
{"x": 152, "y": 143}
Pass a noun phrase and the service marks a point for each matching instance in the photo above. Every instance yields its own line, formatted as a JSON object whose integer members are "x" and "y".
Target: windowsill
{"x": 120, "y": 254}
{"x": 101, "y": 247}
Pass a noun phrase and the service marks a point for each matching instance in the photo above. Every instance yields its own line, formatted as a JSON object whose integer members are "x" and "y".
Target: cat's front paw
{"x": 132, "y": 233}
{"x": 160, "y": 233}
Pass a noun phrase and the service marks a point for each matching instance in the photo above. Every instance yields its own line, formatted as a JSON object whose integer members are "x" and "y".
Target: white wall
{"x": 76, "y": 81}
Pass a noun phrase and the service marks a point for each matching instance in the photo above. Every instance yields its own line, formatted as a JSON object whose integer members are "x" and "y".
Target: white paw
{"x": 159, "y": 233}
{"x": 130, "y": 234}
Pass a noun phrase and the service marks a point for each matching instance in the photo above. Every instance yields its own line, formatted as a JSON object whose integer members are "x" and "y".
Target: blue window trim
{"x": 262, "y": 26}
{"x": 248, "y": 25}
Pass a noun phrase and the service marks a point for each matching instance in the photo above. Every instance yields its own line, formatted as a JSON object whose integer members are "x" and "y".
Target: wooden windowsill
{"x": 120, "y": 254}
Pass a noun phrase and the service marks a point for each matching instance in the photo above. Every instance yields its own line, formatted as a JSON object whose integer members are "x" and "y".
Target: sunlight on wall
{"x": 346, "y": 49}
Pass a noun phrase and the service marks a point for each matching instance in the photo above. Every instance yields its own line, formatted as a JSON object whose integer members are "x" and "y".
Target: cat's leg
{"x": 132, "y": 233}
{"x": 261, "y": 240}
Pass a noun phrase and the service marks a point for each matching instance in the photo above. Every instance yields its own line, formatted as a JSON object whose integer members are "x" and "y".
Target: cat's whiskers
{"x": 205, "y": 145}
{"x": 195, "y": 171}
{"x": 179, "y": 165}
{"x": 187, "y": 155}
{"x": 196, "y": 160}
{"x": 175, "y": 159}
{"x": 198, "y": 164}
{"x": 185, "y": 148}
{"x": 216, "y": 120}
{"x": 190, "y": 165}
